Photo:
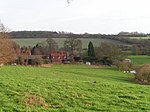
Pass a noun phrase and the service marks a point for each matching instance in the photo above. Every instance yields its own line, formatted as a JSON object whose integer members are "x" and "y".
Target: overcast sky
{"x": 80, "y": 16}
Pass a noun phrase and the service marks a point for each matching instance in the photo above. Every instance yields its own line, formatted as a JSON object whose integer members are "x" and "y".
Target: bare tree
{"x": 71, "y": 45}
{"x": 7, "y": 52}
{"x": 52, "y": 44}
{"x": 109, "y": 51}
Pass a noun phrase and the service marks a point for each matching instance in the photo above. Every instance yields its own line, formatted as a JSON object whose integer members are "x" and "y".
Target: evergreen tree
{"x": 91, "y": 52}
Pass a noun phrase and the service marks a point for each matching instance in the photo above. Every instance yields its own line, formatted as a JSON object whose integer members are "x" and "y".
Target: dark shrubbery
{"x": 89, "y": 59}
{"x": 143, "y": 74}
{"x": 106, "y": 61}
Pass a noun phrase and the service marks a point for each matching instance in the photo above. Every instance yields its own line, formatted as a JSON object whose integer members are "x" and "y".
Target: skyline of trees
{"x": 72, "y": 44}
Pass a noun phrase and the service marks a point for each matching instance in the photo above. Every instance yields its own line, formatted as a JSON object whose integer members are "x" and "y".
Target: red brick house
{"x": 25, "y": 53}
{"x": 58, "y": 56}
{"x": 53, "y": 57}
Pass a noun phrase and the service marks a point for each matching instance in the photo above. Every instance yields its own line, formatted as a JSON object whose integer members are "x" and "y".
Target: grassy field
{"x": 140, "y": 59}
{"x": 70, "y": 88}
{"x": 140, "y": 37}
{"x": 60, "y": 41}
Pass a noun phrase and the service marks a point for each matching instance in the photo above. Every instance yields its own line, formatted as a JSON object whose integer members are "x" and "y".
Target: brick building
{"x": 58, "y": 56}
{"x": 25, "y": 54}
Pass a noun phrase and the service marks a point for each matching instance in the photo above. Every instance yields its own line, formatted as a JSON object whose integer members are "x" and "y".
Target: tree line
{"x": 104, "y": 53}
{"x": 62, "y": 34}
{"x": 73, "y": 45}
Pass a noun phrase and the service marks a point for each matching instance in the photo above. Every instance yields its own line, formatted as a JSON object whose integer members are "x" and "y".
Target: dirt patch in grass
{"x": 97, "y": 66}
{"x": 46, "y": 65}
{"x": 32, "y": 100}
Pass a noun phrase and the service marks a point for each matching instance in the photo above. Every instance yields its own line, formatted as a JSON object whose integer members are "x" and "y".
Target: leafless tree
{"x": 72, "y": 44}
{"x": 7, "y": 52}
{"x": 52, "y": 44}
{"x": 110, "y": 51}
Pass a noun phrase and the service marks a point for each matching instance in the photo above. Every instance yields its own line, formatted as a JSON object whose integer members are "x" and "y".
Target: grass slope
{"x": 140, "y": 37}
{"x": 140, "y": 59}
{"x": 60, "y": 41}
{"x": 71, "y": 88}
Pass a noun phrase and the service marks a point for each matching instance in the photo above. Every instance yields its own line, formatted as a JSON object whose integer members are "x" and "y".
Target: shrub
{"x": 20, "y": 60}
{"x": 124, "y": 66}
{"x": 89, "y": 59}
{"x": 143, "y": 74}
{"x": 106, "y": 61}
{"x": 46, "y": 61}
{"x": 37, "y": 61}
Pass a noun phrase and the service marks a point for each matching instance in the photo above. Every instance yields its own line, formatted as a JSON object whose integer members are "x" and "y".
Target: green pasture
{"x": 29, "y": 42}
{"x": 140, "y": 59}
{"x": 70, "y": 88}
{"x": 60, "y": 41}
{"x": 140, "y": 37}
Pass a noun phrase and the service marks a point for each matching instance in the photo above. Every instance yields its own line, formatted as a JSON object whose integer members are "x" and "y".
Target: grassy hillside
{"x": 60, "y": 41}
{"x": 70, "y": 88}
{"x": 140, "y": 59}
{"x": 140, "y": 37}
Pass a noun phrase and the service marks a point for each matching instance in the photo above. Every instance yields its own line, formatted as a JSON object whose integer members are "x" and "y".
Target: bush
{"x": 46, "y": 61}
{"x": 89, "y": 59}
{"x": 37, "y": 61}
{"x": 143, "y": 74}
{"x": 20, "y": 60}
{"x": 124, "y": 66}
{"x": 106, "y": 61}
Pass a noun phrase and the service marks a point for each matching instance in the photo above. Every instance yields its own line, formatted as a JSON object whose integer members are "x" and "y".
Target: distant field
{"x": 60, "y": 41}
{"x": 139, "y": 37}
{"x": 140, "y": 59}
{"x": 29, "y": 42}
